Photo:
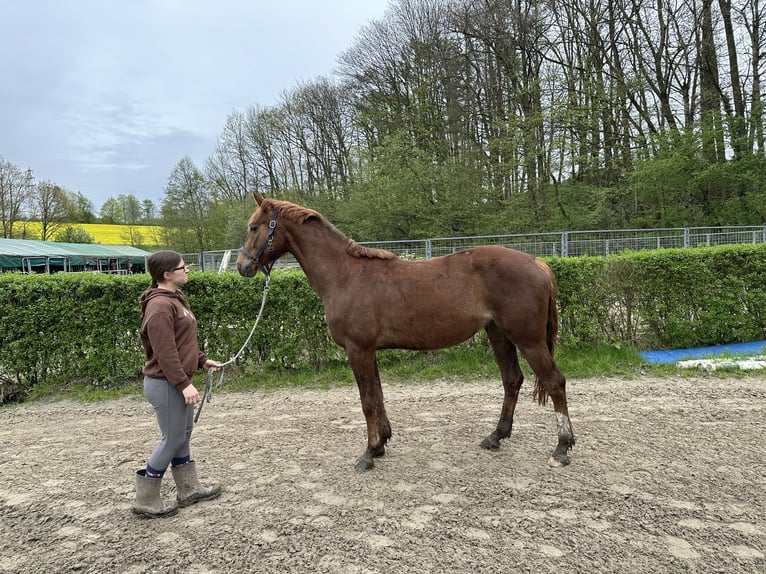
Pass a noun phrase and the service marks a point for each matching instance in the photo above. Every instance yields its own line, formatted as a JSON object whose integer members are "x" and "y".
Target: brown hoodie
{"x": 169, "y": 338}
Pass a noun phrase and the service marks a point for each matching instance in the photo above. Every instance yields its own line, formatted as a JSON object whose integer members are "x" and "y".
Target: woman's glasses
{"x": 184, "y": 267}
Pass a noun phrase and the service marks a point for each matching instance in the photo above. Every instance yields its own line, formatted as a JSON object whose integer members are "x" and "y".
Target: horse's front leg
{"x": 365, "y": 367}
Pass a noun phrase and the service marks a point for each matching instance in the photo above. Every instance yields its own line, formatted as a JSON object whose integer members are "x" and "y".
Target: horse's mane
{"x": 300, "y": 215}
{"x": 356, "y": 250}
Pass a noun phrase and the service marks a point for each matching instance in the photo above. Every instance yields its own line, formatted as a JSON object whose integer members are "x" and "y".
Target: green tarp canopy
{"x": 27, "y": 253}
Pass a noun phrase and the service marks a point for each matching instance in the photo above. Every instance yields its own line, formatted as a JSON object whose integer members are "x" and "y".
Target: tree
{"x": 148, "y": 211}
{"x": 132, "y": 236}
{"x": 185, "y": 208}
{"x": 74, "y": 234}
{"x": 231, "y": 169}
{"x": 735, "y": 113}
{"x": 399, "y": 198}
{"x": 540, "y": 112}
{"x": 84, "y": 209}
{"x": 111, "y": 211}
{"x": 713, "y": 146}
{"x": 52, "y": 205}
{"x": 131, "y": 209}
{"x": 752, "y": 16}
{"x": 16, "y": 188}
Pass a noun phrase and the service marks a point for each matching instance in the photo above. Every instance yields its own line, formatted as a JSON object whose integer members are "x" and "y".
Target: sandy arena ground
{"x": 667, "y": 476}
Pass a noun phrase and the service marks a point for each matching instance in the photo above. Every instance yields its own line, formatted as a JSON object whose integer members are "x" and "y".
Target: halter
{"x": 268, "y": 242}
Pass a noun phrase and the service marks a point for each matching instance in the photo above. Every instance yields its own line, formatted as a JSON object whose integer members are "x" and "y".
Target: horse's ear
{"x": 258, "y": 197}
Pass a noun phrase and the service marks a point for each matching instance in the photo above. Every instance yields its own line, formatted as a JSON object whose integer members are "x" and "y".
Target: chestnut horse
{"x": 374, "y": 300}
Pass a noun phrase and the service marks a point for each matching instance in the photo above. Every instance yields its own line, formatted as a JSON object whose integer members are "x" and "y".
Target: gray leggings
{"x": 176, "y": 420}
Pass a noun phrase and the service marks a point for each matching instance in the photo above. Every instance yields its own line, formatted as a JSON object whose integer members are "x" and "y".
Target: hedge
{"x": 64, "y": 328}
{"x": 664, "y": 299}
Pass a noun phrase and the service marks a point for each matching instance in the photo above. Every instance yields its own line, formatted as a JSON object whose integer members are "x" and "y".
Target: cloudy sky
{"x": 105, "y": 97}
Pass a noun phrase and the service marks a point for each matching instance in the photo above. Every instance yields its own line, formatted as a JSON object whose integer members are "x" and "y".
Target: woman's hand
{"x": 211, "y": 364}
{"x": 191, "y": 395}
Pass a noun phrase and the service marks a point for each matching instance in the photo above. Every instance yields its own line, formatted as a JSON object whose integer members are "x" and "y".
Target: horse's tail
{"x": 540, "y": 393}
{"x": 552, "y": 329}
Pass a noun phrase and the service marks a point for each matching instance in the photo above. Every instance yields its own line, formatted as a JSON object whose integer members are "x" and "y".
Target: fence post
{"x": 428, "y": 249}
{"x": 565, "y": 244}
{"x": 687, "y": 241}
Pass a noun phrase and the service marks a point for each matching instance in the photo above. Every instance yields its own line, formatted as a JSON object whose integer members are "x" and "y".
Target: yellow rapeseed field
{"x": 103, "y": 233}
{"x": 109, "y": 234}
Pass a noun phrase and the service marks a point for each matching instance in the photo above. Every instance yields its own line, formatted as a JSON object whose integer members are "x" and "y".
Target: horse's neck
{"x": 321, "y": 253}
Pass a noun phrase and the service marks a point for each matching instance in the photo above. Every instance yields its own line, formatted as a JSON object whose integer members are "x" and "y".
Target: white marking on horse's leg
{"x": 564, "y": 426}
{"x": 566, "y": 441}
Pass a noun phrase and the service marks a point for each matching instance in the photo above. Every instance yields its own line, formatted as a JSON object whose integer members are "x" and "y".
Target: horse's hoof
{"x": 490, "y": 444}
{"x": 364, "y": 464}
{"x": 557, "y": 461}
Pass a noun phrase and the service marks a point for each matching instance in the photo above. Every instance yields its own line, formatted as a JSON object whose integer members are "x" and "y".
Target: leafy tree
{"x": 397, "y": 198}
{"x": 16, "y": 187}
{"x": 52, "y": 205}
{"x": 185, "y": 208}
{"x": 662, "y": 185}
{"x": 84, "y": 210}
{"x": 111, "y": 211}
{"x": 227, "y": 222}
{"x": 131, "y": 209}
{"x": 477, "y": 116}
{"x": 132, "y": 236}
{"x": 74, "y": 234}
{"x": 148, "y": 211}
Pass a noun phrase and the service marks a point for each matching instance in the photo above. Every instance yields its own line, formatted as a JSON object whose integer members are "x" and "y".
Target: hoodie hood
{"x": 150, "y": 294}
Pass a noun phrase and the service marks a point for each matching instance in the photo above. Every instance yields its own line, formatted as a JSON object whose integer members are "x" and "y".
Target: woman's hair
{"x": 160, "y": 262}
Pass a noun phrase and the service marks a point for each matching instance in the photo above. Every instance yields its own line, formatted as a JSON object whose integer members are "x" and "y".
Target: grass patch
{"x": 469, "y": 361}
{"x": 331, "y": 375}
{"x": 461, "y": 362}
{"x": 83, "y": 391}
{"x": 607, "y": 360}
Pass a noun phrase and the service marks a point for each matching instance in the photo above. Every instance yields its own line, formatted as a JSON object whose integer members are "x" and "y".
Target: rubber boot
{"x": 188, "y": 488}
{"x": 149, "y": 503}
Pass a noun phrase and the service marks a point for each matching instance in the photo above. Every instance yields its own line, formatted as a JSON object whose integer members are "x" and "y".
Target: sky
{"x": 105, "y": 97}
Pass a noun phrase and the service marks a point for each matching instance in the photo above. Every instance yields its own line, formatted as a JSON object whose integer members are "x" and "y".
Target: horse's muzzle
{"x": 246, "y": 269}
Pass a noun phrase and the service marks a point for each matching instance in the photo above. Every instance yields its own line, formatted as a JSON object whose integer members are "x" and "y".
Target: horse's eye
{"x": 254, "y": 229}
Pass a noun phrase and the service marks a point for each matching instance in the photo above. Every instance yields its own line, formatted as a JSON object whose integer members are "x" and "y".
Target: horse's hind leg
{"x": 508, "y": 361}
{"x": 551, "y": 382}
{"x": 365, "y": 367}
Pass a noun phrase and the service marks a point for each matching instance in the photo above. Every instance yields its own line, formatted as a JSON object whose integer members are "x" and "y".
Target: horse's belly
{"x": 423, "y": 314}
{"x": 435, "y": 331}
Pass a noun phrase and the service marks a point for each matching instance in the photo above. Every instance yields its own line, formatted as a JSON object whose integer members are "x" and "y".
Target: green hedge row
{"x": 664, "y": 299}
{"x": 58, "y": 329}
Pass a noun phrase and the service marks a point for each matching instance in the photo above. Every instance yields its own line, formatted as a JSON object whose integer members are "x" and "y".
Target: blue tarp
{"x": 674, "y": 355}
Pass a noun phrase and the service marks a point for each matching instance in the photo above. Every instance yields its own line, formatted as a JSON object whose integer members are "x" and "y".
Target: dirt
{"x": 668, "y": 475}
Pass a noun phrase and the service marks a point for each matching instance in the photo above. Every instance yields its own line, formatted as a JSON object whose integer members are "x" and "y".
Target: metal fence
{"x": 563, "y": 244}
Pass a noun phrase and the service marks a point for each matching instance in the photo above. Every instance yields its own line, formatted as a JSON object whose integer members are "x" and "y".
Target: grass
{"x": 82, "y": 391}
{"x": 462, "y": 362}
{"x": 459, "y": 363}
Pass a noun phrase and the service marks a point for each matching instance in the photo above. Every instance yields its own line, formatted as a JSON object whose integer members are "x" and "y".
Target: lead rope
{"x": 207, "y": 394}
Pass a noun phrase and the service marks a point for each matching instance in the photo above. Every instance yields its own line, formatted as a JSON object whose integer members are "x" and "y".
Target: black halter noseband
{"x": 269, "y": 242}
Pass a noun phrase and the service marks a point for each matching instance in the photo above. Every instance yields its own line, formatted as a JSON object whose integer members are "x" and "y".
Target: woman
{"x": 169, "y": 340}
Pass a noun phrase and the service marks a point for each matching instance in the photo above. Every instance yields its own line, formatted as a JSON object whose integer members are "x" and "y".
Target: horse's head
{"x": 263, "y": 246}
